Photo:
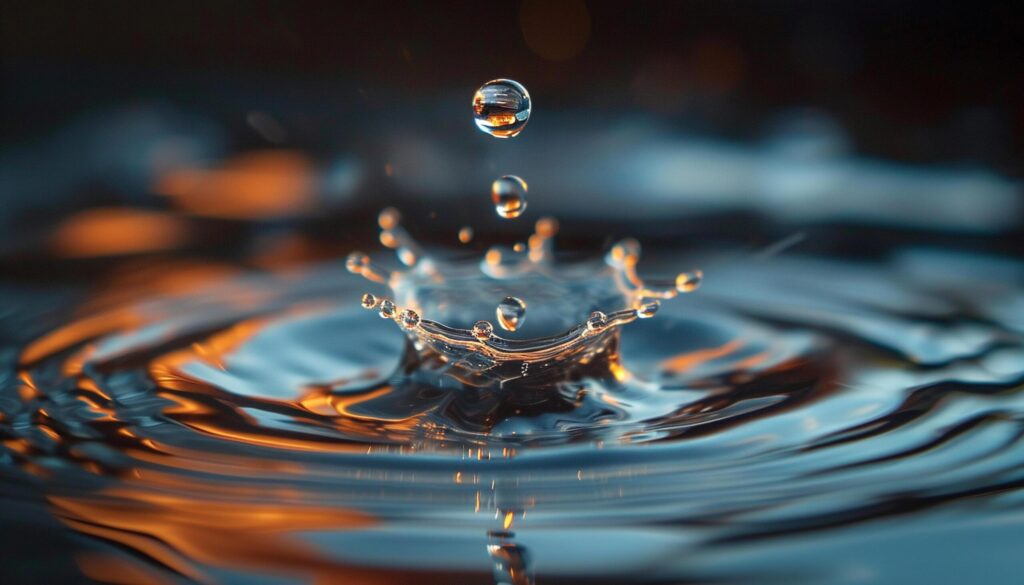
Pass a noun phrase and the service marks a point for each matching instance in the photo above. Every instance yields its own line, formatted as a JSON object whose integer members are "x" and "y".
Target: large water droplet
{"x": 501, "y": 108}
{"x": 511, "y": 313}
{"x": 387, "y": 309}
{"x": 509, "y": 196}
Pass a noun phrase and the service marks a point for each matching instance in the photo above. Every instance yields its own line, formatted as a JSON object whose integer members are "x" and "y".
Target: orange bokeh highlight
{"x": 248, "y": 186}
{"x": 117, "y": 231}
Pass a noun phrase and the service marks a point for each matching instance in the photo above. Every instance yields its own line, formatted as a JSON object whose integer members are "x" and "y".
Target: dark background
{"x": 924, "y": 81}
{"x": 926, "y": 85}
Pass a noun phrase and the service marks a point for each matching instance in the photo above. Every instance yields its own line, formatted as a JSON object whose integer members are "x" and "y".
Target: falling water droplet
{"x": 519, "y": 247}
{"x": 410, "y": 319}
{"x": 387, "y": 309}
{"x": 508, "y": 194}
{"x": 501, "y": 108}
{"x": 482, "y": 330}
{"x": 597, "y": 322}
{"x": 369, "y": 301}
{"x": 466, "y": 235}
{"x": 646, "y": 308}
{"x": 689, "y": 281}
{"x": 511, "y": 313}
{"x": 356, "y": 261}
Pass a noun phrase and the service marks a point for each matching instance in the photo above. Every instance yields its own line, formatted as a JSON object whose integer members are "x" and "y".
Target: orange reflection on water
{"x": 252, "y": 185}
{"x": 113, "y": 231}
{"x": 690, "y": 360}
{"x": 181, "y": 532}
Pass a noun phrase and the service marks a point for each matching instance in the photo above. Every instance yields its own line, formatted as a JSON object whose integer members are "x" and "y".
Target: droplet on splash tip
{"x": 689, "y": 281}
{"x": 356, "y": 261}
{"x": 369, "y": 301}
{"x": 483, "y": 330}
{"x": 466, "y": 235}
{"x": 387, "y": 309}
{"x": 410, "y": 319}
{"x": 646, "y": 308}
{"x": 511, "y": 313}
{"x": 508, "y": 194}
{"x": 597, "y": 322}
{"x": 501, "y": 108}
{"x": 624, "y": 252}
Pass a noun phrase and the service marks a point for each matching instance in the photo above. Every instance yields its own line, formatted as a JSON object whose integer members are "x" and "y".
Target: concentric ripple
{"x": 268, "y": 429}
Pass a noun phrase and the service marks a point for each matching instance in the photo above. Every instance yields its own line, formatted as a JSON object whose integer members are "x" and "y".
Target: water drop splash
{"x": 508, "y": 194}
{"x": 511, "y": 313}
{"x": 577, "y": 307}
{"x": 501, "y": 108}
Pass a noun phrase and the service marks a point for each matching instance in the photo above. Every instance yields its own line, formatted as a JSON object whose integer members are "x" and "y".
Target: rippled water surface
{"x": 797, "y": 420}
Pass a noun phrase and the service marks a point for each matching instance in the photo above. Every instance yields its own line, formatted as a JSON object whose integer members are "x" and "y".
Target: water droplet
{"x": 646, "y": 308}
{"x": 407, "y": 257}
{"x": 482, "y": 330}
{"x": 410, "y": 319}
{"x": 689, "y": 281}
{"x": 387, "y": 309}
{"x": 511, "y": 313}
{"x": 388, "y": 218}
{"x": 509, "y": 196}
{"x": 387, "y": 237}
{"x": 369, "y": 301}
{"x": 597, "y": 322}
{"x": 546, "y": 227}
{"x": 501, "y": 108}
{"x": 625, "y": 252}
{"x": 356, "y": 261}
{"x": 466, "y": 235}
{"x": 519, "y": 247}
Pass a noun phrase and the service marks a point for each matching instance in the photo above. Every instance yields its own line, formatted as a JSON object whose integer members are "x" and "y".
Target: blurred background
{"x": 273, "y": 132}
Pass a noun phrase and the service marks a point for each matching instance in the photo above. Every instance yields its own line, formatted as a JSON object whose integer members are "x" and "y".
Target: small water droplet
{"x": 387, "y": 309}
{"x": 407, "y": 256}
{"x": 546, "y": 227}
{"x": 519, "y": 247}
{"x": 356, "y": 261}
{"x": 511, "y": 313}
{"x": 501, "y": 108}
{"x": 646, "y": 308}
{"x": 466, "y": 235}
{"x": 482, "y": 330}
{"x": 410, "y": 319}
{"x": 508, "y": 194}
{"x": 597, "y": 322}
{"x": 625, "y": 252}
{"x": 689, "y": 281}
{"x": 388, "y": 218}
{"x": 369, "y": 301}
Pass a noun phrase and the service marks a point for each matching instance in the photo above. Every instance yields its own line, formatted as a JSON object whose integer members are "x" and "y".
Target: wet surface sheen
{"x": 798, "y": 420}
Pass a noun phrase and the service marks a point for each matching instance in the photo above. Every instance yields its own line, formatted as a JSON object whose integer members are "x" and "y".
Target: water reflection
{"x": 265, "y": 424}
